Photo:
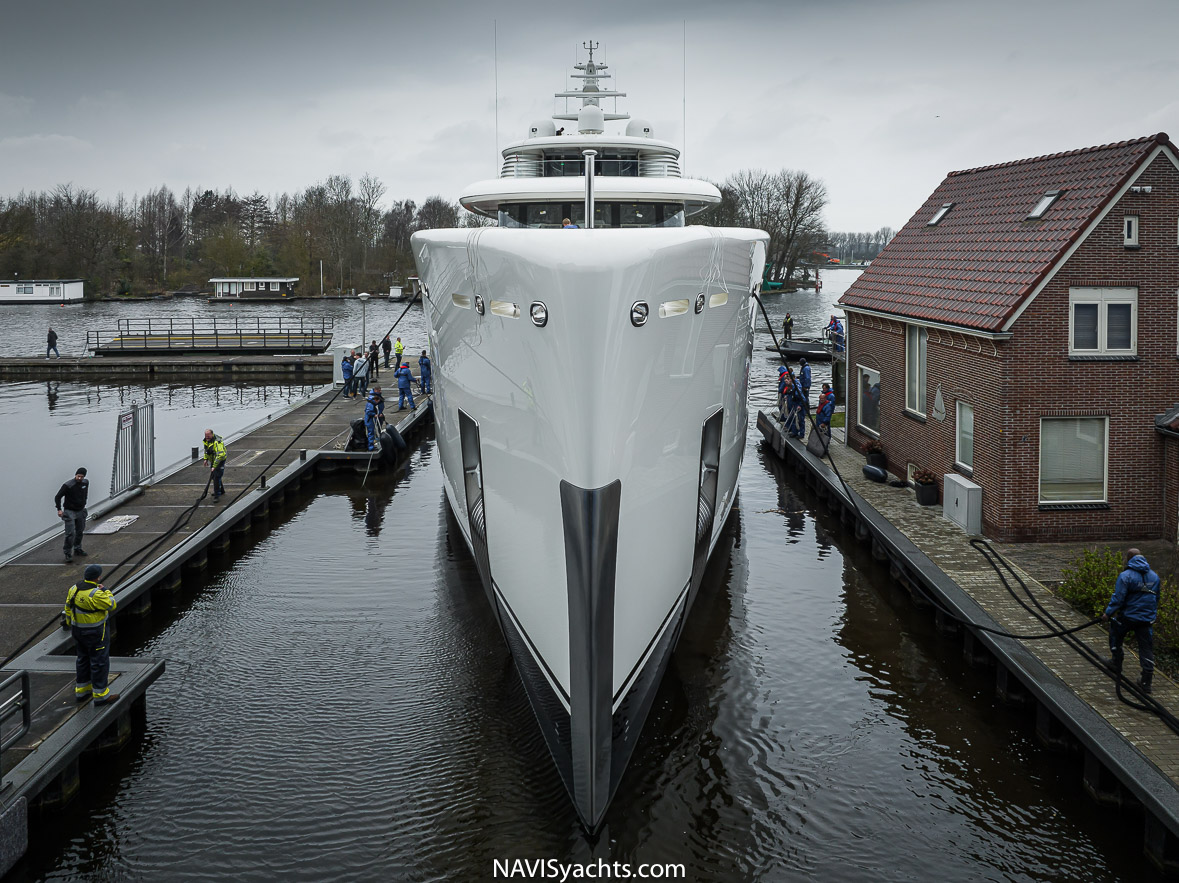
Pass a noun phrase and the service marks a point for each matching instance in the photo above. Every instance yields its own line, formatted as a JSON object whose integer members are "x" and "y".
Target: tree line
{"x": 164, "y": 241}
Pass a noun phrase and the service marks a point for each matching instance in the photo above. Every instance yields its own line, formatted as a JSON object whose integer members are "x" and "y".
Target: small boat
{"x": 813, "y": 349}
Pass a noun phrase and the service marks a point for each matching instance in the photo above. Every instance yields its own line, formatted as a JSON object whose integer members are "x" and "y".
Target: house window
{"x": 274, "y": 286}
{"x": 868, "y": 409}
{"x": 939, "y": 214}
{"x": 249, "y": 286}
{"x": 1073, "y": 459}
{"x": 964, "y": 436}
{"x": 1104, "y": 321}
{"x": 1130, "y": 231}
{"x": 1044, "y": 204}
{"x": 24, "y": 289}
{"x": 916, "y": 338}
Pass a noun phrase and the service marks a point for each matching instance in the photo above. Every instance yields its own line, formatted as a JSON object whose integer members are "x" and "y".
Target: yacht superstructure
{"x": 591, "y": 361}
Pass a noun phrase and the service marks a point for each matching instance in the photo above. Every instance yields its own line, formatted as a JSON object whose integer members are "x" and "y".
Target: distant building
{"x": 41, "y": 291}
{"x": 254, "y": 286}
{"x": 1021, "y": 331}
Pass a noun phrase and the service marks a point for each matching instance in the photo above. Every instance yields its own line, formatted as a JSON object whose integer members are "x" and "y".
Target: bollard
{"x": 302, "y": 453}
{"x": 262, "y": 482}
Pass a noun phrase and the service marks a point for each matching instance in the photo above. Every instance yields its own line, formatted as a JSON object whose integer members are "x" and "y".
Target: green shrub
{"x": 1089, "y": 583}
{"x": 1166, "y": 629}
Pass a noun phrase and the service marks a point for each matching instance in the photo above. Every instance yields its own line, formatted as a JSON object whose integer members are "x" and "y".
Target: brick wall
{"x": 1170, "y": 501}
{"x": 1013, "y": 384}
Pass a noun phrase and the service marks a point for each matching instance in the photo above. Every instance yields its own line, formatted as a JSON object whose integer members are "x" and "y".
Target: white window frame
{"x": 249, "y": 286}
{"x": 863, "y": 427}
{"x": 918, "y": 334}
{"x": 274, "y": 286}
{"x": 1130, "y": 227}
{"x": 1045, "y": 203}
{"x": 958, "y": 435}
{"x": 939, "y": 214}
{"x": 1103, "y": 297}
{"x": 1040, "y": 466}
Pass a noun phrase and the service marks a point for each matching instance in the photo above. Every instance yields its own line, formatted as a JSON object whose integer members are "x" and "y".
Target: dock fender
{"x": 392, "y": 445}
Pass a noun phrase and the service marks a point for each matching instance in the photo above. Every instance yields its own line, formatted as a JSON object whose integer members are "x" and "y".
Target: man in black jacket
{"x": 71, "y": 508}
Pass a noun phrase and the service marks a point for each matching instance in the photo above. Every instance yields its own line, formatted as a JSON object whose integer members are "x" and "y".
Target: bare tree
{"x": 435, "y": 214}
{"x": 369, "y": 192}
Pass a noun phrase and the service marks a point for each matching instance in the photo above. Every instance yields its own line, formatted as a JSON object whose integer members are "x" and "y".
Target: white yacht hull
{"x": 591, "y": 463}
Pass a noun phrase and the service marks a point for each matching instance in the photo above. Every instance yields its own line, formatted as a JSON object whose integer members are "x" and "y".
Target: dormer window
{"x": 1044, "y": 204}
{"x": 939, "y": 214}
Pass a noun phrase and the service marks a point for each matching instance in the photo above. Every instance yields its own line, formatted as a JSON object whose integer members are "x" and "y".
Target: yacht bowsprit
{"x": 592, "y": 357}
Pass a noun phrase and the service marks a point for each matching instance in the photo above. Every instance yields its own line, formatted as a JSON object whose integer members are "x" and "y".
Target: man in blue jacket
{"x": 1133, "y": 608}
{"x": 374, "y": 408}
{"x": 346, "y": 372}
{"x": 804, "y": 377}
{"x": 404, "y": 390}
{"x": 425, "y": 368}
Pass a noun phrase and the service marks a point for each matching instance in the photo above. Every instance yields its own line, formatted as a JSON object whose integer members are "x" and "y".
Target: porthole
{"x": 700, "y": 303}
{"x": 638, "y": 313}
{"x": 539, "y": 313}
{"x": 479, "y": 304}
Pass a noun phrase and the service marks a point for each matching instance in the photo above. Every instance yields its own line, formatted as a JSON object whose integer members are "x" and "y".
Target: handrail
{"x": 190, "y": 333}
{"x": 18, "y": 702}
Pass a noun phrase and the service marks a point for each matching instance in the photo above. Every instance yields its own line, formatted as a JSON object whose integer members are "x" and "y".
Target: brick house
{"x": 1022, "y": 329}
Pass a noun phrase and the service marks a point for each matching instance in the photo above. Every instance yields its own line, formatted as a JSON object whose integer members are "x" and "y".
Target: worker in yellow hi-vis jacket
{"x": 87, "y": 608}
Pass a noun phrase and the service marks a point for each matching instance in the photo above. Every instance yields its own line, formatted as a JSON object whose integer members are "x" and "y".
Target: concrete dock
{"x": 40, "y": 766}
{"x": 212, "y": 369}
{"x": 1128, "y": 759}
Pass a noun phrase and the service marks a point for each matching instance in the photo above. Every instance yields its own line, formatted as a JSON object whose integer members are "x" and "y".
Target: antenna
{"x": 495, "y": 55}
{"x": 684, "y": 90}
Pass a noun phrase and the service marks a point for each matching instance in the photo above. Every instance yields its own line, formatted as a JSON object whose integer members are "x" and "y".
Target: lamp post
{"x": 364, "y": 296}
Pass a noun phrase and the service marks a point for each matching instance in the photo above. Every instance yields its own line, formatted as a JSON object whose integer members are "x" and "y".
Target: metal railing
{"x": 656, "y": 165}
{"x": 135, "y": 447}
{"x": 226, "y": 332}
{"x": 12, "y": 704}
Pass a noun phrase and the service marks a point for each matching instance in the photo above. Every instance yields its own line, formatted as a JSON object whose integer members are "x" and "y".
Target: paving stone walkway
{"x": 948, "y": 546}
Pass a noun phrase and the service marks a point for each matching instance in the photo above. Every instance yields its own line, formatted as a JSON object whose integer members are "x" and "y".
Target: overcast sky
{"x": 879, "y": 99}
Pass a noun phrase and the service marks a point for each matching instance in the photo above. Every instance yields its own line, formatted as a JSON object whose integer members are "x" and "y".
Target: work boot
{"x": 1144, "y": 681}
{"x": 78, "y": 550}
{"x": 1114, "y": 664}
{"x": 69, "y": 559}
{"x": 107, "y": 699}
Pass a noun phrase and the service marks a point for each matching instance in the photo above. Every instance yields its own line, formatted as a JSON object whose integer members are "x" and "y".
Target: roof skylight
{"x": 939, "y": 214}
{"x": 1044, "y": 204}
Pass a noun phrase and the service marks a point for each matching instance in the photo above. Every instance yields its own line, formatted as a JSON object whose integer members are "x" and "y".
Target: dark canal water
{"x": 339, "y": 705}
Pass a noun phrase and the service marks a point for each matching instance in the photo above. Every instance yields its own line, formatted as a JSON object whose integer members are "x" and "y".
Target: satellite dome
{"x": 639, "y": 129}
{"x": 590, "y": 120}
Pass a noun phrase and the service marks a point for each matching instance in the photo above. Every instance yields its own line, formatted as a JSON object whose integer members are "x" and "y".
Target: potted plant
{"x": 875, "y": 452}
{"x": 925, "y": 487}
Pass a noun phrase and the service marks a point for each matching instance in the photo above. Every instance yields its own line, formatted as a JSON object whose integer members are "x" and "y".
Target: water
{"x": 26, "y": 326}
{"x": 339, "y": 704}
{"x": 53, "y": 427}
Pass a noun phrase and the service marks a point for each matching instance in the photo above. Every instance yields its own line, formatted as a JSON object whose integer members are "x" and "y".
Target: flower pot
{"x": 926, "y": 494}
{"x": 877, "y": 458}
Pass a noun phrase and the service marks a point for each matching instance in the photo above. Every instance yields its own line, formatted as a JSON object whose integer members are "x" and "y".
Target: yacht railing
{"x": 661, "y": 165}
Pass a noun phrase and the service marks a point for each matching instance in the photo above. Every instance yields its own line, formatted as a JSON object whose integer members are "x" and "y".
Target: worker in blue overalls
{"x": 783, "y": 387}
{"x": 826, "y": 409}
{"x": 404, "y": 390}
{"x": 374, "y": 412}
{"x": 804, "y": 378}
{"x": 424, "y": 376}
{"x": 796, "y": 405}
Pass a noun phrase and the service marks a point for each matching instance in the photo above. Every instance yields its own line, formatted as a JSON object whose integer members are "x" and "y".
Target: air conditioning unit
{"x": 962, "y": 502}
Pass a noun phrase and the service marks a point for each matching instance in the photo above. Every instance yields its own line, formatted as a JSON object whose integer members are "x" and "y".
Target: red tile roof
{"x": 978, "y": 265}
